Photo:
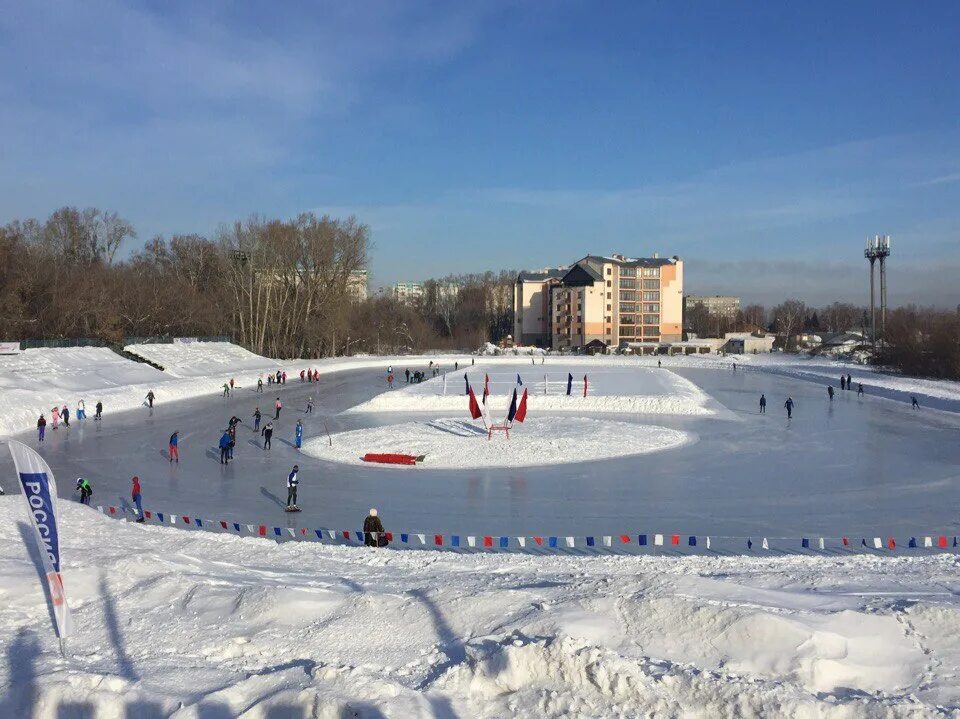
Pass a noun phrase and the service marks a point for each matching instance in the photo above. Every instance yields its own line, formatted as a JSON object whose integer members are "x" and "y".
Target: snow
{"x": 188, "y": 623}
{"x": 204, "y": 359}
{"x": 455, "y": 443}
{"x": 612, "y": 388}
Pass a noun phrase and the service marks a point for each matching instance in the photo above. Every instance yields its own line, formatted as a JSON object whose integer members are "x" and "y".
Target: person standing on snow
{"x": 99, "y": 411}
{"x": 55, "y": 417}
{"x": 292, "y": 482}
{"x": 788, "y": 405}
{"x": 849, "y": 382}
{"x": 137, "y": 497}
{"x": 81, "y": 410}
{"x": 763, "y": 404}
{"x": 374, "y": 534}
{"x": 175, "y": 447}
{"x": 86, "y": 491}
{"x": 150, "y": 398}
{"x": 256, "y": 419}
{"x": 225, "y": 448}
{"x": 41, "y": 427}
{"x": 267, "y": 434}
{"x": 298, "y": 434}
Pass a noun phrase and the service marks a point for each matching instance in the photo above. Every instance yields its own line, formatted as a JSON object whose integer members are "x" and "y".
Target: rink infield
{"x": 864, "y": 467}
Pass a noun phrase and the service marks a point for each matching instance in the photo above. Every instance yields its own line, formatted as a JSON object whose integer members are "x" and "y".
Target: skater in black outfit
{"x": 267, "y": 433}
{"x": 150, "y": 398}
{"x": 859, "y": 389}
{"x": 256, "y": 419}
{"x": 843, "y": 382}
{"x": 830, "y": 392}
{"x": 849, "y": 382}
{"x": 789, "y": 407}
{"x": 914, "y": 404}
{"x": 292, "y": 482}
{"x": 763, "y": 404}
{"x": 99, "y": 413}
{"x": 86, "y": 491}
{"x": 374, "y": 534}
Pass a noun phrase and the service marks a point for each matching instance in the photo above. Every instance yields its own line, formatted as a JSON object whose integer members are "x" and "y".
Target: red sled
{"x": 408, "y": 459}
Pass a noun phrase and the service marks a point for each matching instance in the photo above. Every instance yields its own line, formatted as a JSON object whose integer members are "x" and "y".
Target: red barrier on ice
{"x": 390, "y": 458}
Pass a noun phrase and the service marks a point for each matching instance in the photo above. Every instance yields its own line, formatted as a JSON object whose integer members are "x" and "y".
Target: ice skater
{"x": 763, "y": 404}
{"x": 277, "y": 406}
{"x": 99, "y": 411}
{"x": 225, "y": 447}
{"x": 843, "y": 382}
{"x": 137, "y": 497}
{"x": 298, "y": 434}
{"x": 55, "y": 417}
{"x": 830, "y": 392}
{"x": 788, "y": 405}
{"x": 226, "y": 390}
{"x": 913, "y": 403}
{"x": 406, "y": 372}
{"x": 390, "y": 380}
{"x": 175, "y": 447}
{"x": 231, "y": 384}
{"x": 256, "y": 419}
{"x": 292, "y": 482}
{"x": 86, "y": 491}
{"x": 65, "y": 415}
{"x": 859, "y": 389}
{"x": 41, "y": 427}
{"x": 309, "y": 405}
{"x": 267, "y": 434}
{"x": 849, "y": 382}
{"x": 260, "y": 385}
{"x": 150, "y": 397}
{"x": 81, "y": 410}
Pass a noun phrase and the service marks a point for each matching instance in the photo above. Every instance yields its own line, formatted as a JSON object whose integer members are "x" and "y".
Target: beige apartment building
{"x": 724, "y": 305}
{"x": 601, "y": 301}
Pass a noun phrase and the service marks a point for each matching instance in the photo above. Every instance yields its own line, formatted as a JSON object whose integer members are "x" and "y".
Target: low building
{"x": 407, "y": 292}
{"x": 741, "y": 343}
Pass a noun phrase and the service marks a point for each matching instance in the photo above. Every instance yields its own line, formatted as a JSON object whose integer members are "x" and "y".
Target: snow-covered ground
{"x": 457, "y": 443}
{"x": 204, "y": 359}
{"x": 611, "y": 387}
{"x": 192, "y": 624}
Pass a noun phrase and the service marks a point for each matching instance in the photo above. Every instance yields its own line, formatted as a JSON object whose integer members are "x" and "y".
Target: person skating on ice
{"x": 277, "y": 406}
{"x": 830, "y": 392}
{"x": 256, "y": 419}
{"x": 150, "y": 397}
{"x": 225, "y": 447}
{"x": 65, "y": 415}
{"x": 859, "y": 389}
{"x": 309, "y": 405}
{"x": 99, "y": 411}
{"x": 788, "y": 405}
{"x": 41, "y": 427}
{"x": 763, "y": 404}
{"x": 226, "y": 389}
{"x": 914, "y": 404}
{"x": 298, "y": 434}
{"x": 267, "y": 434}
{"x": 55, "y": 417}
{"x": 260, "y": 385}
{"x": 81, "y": 410}
{"x": 85, "y": 490}
{"x": 175, "y": 447}
{"x": 292, "y": 482}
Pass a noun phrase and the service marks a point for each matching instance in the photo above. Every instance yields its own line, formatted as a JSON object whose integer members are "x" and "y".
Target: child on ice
{"x": 299, "y": 434}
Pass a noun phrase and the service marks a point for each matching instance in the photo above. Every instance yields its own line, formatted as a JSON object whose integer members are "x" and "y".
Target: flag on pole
{"x": 486, "y": 386}
{"x": 521, "y": 413}
{"x": 519, "y": 381}
{"x": 40, "y": 493}
{"x": 475, "y": 412}
{"x": 569, "y": 383}
{"x": 584, "y": 385}
{"x": 466, "y": 383}
{"x": 512, "y": 412}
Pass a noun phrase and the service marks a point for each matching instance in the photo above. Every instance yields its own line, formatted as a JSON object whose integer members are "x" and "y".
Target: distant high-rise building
{"x": 407, "y": 292}
{"x": 723, "y": 305}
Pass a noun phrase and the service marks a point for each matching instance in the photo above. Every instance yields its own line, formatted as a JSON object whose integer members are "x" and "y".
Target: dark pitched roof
{"x": 581, "y": 275}
{"x": 554, "y": 273}
{"x": 632, "y": 261}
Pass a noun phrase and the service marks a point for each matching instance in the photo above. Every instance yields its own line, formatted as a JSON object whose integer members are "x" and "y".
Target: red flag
{"x": 522, "y": 409}
{"x": 475, "y": 412}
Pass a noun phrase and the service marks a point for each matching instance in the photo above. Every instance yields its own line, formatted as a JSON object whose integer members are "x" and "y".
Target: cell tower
{"x": 878, "y": 248}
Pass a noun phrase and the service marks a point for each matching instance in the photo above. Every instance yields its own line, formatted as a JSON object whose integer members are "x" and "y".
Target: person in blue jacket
{"x": 299, "y": 433}
{"x": 225, "y": 448}
{"x": 788, "y": 405}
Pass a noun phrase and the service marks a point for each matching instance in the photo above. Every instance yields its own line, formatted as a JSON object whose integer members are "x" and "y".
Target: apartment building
{"x": 358, "y": 285}
{"x": 605, "y": 300}
{"x": 531, "y": 306}
{"x": 407, "y": 292}
{"x": 723, "y": 305}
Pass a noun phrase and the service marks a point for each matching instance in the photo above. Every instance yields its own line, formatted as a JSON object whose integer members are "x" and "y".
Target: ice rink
{"x": 866, "y": 465}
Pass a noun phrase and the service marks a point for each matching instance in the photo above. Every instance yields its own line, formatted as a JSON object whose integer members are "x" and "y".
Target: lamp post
{"x": 878, "y": 248}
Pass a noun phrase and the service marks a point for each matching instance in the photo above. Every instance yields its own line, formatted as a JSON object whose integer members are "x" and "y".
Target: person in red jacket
{"x": 137, "y": 499}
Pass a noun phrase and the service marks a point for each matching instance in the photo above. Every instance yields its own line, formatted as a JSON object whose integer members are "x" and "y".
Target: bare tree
{"x": 788, "y": 317}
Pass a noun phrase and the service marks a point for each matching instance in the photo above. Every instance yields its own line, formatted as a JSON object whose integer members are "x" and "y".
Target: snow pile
{"x": 612, "y": 389}
{"x": 184, "y": 624}
{"x": 203, "y": 359}
{"x": 455, "y": 443}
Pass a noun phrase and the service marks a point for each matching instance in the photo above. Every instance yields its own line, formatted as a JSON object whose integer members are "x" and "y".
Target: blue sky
{"x": 761, "y": 142}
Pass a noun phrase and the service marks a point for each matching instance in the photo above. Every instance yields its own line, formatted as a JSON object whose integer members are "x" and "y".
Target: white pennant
{"x": 422, "y": 538}
{"x": 877, "y": 543}
{"x": 927, "y": 542}
{"x": 471, "y": 541}
{"x": 570, "y": 541}
{"x": 708, "y": 542}
{"x": 293, "y": 532}
{"x": 522, "y": 541}
{"x": 765, "y": 544}
{"x": 658, "y": 540}
{"x": 822, "y": 544}
{"x": 252, "y": 528}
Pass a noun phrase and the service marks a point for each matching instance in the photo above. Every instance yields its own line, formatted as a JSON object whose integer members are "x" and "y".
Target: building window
{"x": 651, "y": 308}
{"x": 651, "y": 331}
{"x": 651, "y": 284}
{"x": 628, "y": 271}
{"x": 631, "y": 296}
{"x": 609, "y": 283}
{"x": 609, "y": 271}
{"x": 627, "y": 307}
{"x": 651, "y": 271}
{"x": 626, "y": 284}
{"x": 609, "y": 307}
{"x": 650, "y": 296}
{"x": 651, "y": 319}
{"x": 609, "y": 295}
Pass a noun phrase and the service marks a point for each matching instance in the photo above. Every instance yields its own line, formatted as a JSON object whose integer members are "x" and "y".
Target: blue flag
{"x": 569, "y": 384}
{"x": 466, "y": 382}
{"x": 519, "y": 381}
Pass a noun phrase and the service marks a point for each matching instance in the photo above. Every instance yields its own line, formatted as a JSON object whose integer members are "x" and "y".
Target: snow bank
{"x": 186, "y": 624}
{"x": 612, "y": 389}
{"x": 203, "y": 359}
{"x": 455, "y": 443}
